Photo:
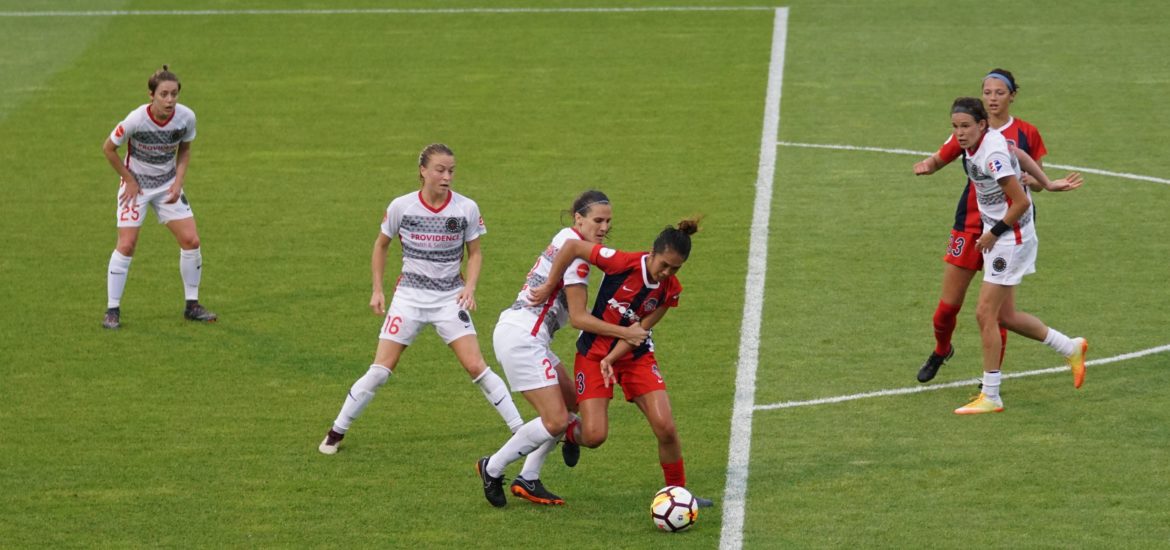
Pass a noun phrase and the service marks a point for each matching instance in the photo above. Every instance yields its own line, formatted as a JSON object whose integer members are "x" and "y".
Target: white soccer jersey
{"x": 154, "y": 144}
{"x": 542, "y": 320}
{"x": 432, "y": 245}
{"x": 991, "y": 162}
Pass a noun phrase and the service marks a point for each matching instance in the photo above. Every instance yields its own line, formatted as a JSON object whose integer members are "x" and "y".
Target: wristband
{"x": 999, "y": 228}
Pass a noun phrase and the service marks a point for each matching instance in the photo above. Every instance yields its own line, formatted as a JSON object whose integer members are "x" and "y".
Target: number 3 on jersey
{"x": 956, "y": 247}
{"x": 392, "y": 325}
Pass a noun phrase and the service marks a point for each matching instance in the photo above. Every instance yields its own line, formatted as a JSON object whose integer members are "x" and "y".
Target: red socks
{"x": 944, "y": 326}
{"x": 675, "y": 473}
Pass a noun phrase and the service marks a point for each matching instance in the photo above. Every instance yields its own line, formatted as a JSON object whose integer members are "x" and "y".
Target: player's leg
{"x": 960, "y": 264}
{"x": 655, "y": 406}
{"x": 1026, "y": 324}
{"x": 533, "y": 440}
{"x": 494, "y": 389}
{"x": 570, "y": 451}
{"x": 992, "y": 297}
{"x": 129, "y": 218}
{"x": 593, "y": 397}
{"x": 190, "y": 267}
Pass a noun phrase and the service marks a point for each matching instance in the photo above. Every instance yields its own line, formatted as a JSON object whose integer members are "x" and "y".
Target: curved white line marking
{"x": 957, "y": 384}
{"x": 1123, "y": 175}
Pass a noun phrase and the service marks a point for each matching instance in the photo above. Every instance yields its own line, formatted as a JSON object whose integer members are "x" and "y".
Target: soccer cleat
{"x": 1076, "y": 361}
{"x": 703, "y": 502}
{"x": 571, "y": 452}
{"x": 493, "y": 487}
{"x": 930, "y": 367}
{"x": 533, "y": 491}
{"x": 329, "y": 445}
{"x": 112, "y": 319}
{"x": 196, "y": 312}
{"x": 982, "y": 404}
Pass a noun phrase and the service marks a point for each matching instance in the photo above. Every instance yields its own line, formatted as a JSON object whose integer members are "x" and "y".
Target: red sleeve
{"x": 1035, "y": 142}
{"x": 950, "y": 150}
{"x": 673, "y": 290}
{"x": 614, "y": 261}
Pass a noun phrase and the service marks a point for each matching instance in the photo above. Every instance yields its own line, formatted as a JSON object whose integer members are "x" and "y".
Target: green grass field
{"x": 169, "y": 434}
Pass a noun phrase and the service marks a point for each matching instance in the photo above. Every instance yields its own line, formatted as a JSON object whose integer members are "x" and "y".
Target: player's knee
{"x": 592, "y": 438}
{"x": 985, "y": 315}
{"x": 666, "y": 432}
{"x": 189, "y": 243}
{"x": 556, "y": 424}
{"x": 126, "y": 246}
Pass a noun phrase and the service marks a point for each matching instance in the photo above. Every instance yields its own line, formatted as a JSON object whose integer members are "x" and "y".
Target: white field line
{"x": 739, "y": 451}
{"x": 1123, "y": 175}
{"x": 956, "y": 384}
{"x": 376, "y": 11}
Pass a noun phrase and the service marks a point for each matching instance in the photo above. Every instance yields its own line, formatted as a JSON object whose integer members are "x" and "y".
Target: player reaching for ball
{"x": 639, "y": 288}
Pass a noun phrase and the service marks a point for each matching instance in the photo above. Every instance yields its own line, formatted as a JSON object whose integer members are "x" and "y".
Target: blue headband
{"x": 1006, "y": 80}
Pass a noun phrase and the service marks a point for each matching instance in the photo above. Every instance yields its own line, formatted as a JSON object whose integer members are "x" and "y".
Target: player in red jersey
{"x": 962, "y": 259}
{"x": 639, "y": 287}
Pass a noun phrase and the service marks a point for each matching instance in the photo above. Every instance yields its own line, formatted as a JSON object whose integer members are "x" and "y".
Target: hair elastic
{"x": 585, "y": 208}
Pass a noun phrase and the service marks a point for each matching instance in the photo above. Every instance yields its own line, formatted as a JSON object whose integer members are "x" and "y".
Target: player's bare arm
{"x": 570, "y": 251}
{"x": 1019, "y": 204}
{"x": 378, "y": 270}
{"x": 928, "y": 166}
{"x": 581, "y": 319}
{"x": 181, "y": 159}
{"x": 466, "y": 298}
{"x": 623, "y": 347}
{"x": 110, "y": 149}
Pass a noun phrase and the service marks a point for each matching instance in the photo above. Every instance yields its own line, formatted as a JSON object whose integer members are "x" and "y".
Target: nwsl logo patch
{"x": 995, "y": 166}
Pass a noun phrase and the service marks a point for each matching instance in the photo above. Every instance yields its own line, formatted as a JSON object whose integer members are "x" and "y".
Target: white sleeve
{"x": 391, "y": 220}
{"x": 121, "y": 133}
{"x": 190, "y": 130}
{"x": 475, "y": 226}
{"x": 999, "y": 165}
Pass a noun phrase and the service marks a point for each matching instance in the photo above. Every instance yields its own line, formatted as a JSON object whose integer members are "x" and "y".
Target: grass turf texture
{"x": 173, "y": 434}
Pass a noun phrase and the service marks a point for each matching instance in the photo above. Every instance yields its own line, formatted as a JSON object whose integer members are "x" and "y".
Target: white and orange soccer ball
{"x": 674, "y": 509}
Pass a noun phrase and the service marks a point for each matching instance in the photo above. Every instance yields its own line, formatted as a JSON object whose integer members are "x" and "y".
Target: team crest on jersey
{"x": 456, "y": 225}
{"x": 999, "y": 264}
{"x": 649, "y": 305}
{"x": 607, "y": 252}
{"x": 995, "y": 166}
{"x": 463, "y": 316}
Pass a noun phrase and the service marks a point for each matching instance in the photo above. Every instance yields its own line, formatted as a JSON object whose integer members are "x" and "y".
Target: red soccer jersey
{"x": 625, "y": 297}
{"x": 1019, "y": 134}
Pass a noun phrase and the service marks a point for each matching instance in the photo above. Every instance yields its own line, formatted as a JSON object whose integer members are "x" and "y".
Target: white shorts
{"x": 404, "y": 322}
{"x": 1007, "y": 262}
{"x": 527, "y": 360}
{"x": 134, "y": 214}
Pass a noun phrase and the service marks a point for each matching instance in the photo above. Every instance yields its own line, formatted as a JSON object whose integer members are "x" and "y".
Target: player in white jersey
{"x": 433, "y": 225}
{"x": 523, "y": 338}
{"x": 158, "y": 137}
{"x": 1009, "y": 247}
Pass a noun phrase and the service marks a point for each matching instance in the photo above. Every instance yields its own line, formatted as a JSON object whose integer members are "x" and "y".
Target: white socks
{"x": 528, "y": 438}
{"x": 991, "y": 384}
{"x": 1059, "y": 342}
{"x": 359, "y": 396}
{"x": 496, "y": 392}
{"x": 116, "y": 280}
{"x": 191, "y": 268}
{"x": 535, "y": 460}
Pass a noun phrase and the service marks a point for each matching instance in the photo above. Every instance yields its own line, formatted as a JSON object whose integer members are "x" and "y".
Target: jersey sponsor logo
{"x": 607, "y": 252}
{"x": 583, "y": 270}
{"x": 624, "y": 309}
{"x": 430, "y": 237}
{"x": 456, "y": 225}
{"x": 998, "y": 265}
{"x": 119, "y": 132}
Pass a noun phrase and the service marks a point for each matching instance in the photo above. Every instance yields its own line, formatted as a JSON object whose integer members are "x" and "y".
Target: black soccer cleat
{"x": 196, "y": 312}
{"x": 493, "y": 487}
{"x": 571, "y": 452}
{"x": 703, "y": 502}
{"x": 112, "y": 319}
{"x": 930, "y": 367}
{"x": 534, "y": 491}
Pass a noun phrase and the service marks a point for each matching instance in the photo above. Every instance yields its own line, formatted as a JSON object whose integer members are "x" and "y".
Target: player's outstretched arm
{"x": 928, "y": 166}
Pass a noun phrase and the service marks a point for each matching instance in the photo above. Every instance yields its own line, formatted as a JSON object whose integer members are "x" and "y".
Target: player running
{"x": 433, "y": 225}
{"x": 1008, "y": 244}
{"x": 962, "y": 260}
{"x": 158, "y": 137}
{"x": 639, "y": 288}
{"x": 523, "y": 338}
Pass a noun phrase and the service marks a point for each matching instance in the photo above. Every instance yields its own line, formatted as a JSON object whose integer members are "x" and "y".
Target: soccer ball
{"x": 674, "y": 509}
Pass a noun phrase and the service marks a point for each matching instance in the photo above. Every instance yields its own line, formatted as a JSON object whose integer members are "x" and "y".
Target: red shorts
{"x": 962, "y": 252}
{"x": 636, "y": 376}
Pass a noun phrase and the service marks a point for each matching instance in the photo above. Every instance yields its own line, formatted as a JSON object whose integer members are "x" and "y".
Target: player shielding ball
{"x": 639, "y": 288}
{"x": 523, "y": 343}
{"x": 434, "y": 225}
{"x": 158, "y": 139}
{"x": 1009, "y": 245}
